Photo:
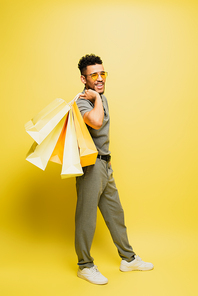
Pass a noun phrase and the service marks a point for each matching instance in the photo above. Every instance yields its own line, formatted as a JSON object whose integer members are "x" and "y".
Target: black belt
{"x": 105, "y": 157}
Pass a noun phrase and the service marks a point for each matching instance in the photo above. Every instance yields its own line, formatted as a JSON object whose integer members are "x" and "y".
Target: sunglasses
{"x": 95, "y": 75}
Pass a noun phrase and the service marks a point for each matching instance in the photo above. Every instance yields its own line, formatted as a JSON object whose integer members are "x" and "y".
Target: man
{"x": 96, "y": 188}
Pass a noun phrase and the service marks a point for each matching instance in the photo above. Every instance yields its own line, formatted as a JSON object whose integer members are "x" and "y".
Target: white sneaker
{"x": 136, "y": 264}
{"x": 92, "y": 275}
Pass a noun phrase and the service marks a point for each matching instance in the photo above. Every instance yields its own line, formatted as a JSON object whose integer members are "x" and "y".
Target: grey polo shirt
{"x": 100, "y": 136}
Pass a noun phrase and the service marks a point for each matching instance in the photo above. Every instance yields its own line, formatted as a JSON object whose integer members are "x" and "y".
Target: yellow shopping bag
{"x": 57, "y": 155}
{"x": 71, "y": 160}
{"x": 39, "y": 155}
{"x": 88, "y": 151}
{"x": 46, "y": 120}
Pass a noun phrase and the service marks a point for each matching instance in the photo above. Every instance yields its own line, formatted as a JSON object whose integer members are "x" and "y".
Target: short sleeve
{"x": 84, "y": 106}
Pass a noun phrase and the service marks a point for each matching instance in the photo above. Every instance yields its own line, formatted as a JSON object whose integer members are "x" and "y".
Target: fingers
{"x": 89, "y": 95}
{"x": 88, "y": 91}
{"x": 85, "y": 94}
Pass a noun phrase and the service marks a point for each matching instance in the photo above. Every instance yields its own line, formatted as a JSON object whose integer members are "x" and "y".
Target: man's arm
{"x": 93, "y": 118}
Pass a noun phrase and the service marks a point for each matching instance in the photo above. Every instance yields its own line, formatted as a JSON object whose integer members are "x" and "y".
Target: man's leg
{"x": 89, "y": 189}
{"x": 113, "y": 214}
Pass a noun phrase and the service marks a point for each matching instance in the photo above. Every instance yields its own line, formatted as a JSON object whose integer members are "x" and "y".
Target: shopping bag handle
{"x": 74, "y": 100}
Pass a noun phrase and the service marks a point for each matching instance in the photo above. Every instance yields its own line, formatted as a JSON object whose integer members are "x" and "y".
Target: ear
{"x": 83, "y": 79}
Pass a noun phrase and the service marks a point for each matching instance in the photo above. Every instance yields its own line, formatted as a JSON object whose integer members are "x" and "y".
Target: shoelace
{"x": 138, "y": 258}
{"x": 94, "y": 270}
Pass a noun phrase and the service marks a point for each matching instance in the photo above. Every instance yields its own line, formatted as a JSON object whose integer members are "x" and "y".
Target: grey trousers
{"x": 96, "y": 188}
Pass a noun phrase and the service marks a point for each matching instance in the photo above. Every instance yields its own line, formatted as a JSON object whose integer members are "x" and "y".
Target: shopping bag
{"x": 39, "y": 155}
{"x": 57, "y": 155}
{"x": 88, "y": 151}
{"x": 71, "y": 160}
{"x": 46, "y": 120}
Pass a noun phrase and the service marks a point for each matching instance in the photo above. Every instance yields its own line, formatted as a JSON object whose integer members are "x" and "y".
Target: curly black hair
{"x": 87, "y": 60}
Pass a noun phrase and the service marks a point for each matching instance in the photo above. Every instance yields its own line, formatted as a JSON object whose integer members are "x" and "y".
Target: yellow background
{"x": 149, "y": 49}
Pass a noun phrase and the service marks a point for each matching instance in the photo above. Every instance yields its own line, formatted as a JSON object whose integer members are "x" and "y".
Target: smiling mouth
{"x": 100, "y": 85}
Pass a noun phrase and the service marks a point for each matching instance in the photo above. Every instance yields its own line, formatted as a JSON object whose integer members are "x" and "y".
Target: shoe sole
{"x": 128, "y": 269}
{"x": 92, "y": 282}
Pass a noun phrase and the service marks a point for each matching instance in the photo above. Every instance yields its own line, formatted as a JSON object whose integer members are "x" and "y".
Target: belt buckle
{"x": 108, "y": 158}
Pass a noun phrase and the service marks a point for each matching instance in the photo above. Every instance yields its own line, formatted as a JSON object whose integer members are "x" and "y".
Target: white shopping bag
{"x": 71, "y": 160}
{"x": 46, "y": 120}
{"x": 39, "y": 155}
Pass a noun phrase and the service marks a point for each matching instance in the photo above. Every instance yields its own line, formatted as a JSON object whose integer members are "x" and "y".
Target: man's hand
{"x": 93, "y": 118}
{"x": 90, "y": 95}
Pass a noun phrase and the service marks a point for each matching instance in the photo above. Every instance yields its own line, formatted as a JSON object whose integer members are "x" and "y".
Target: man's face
{"x": 99, "y": 84}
